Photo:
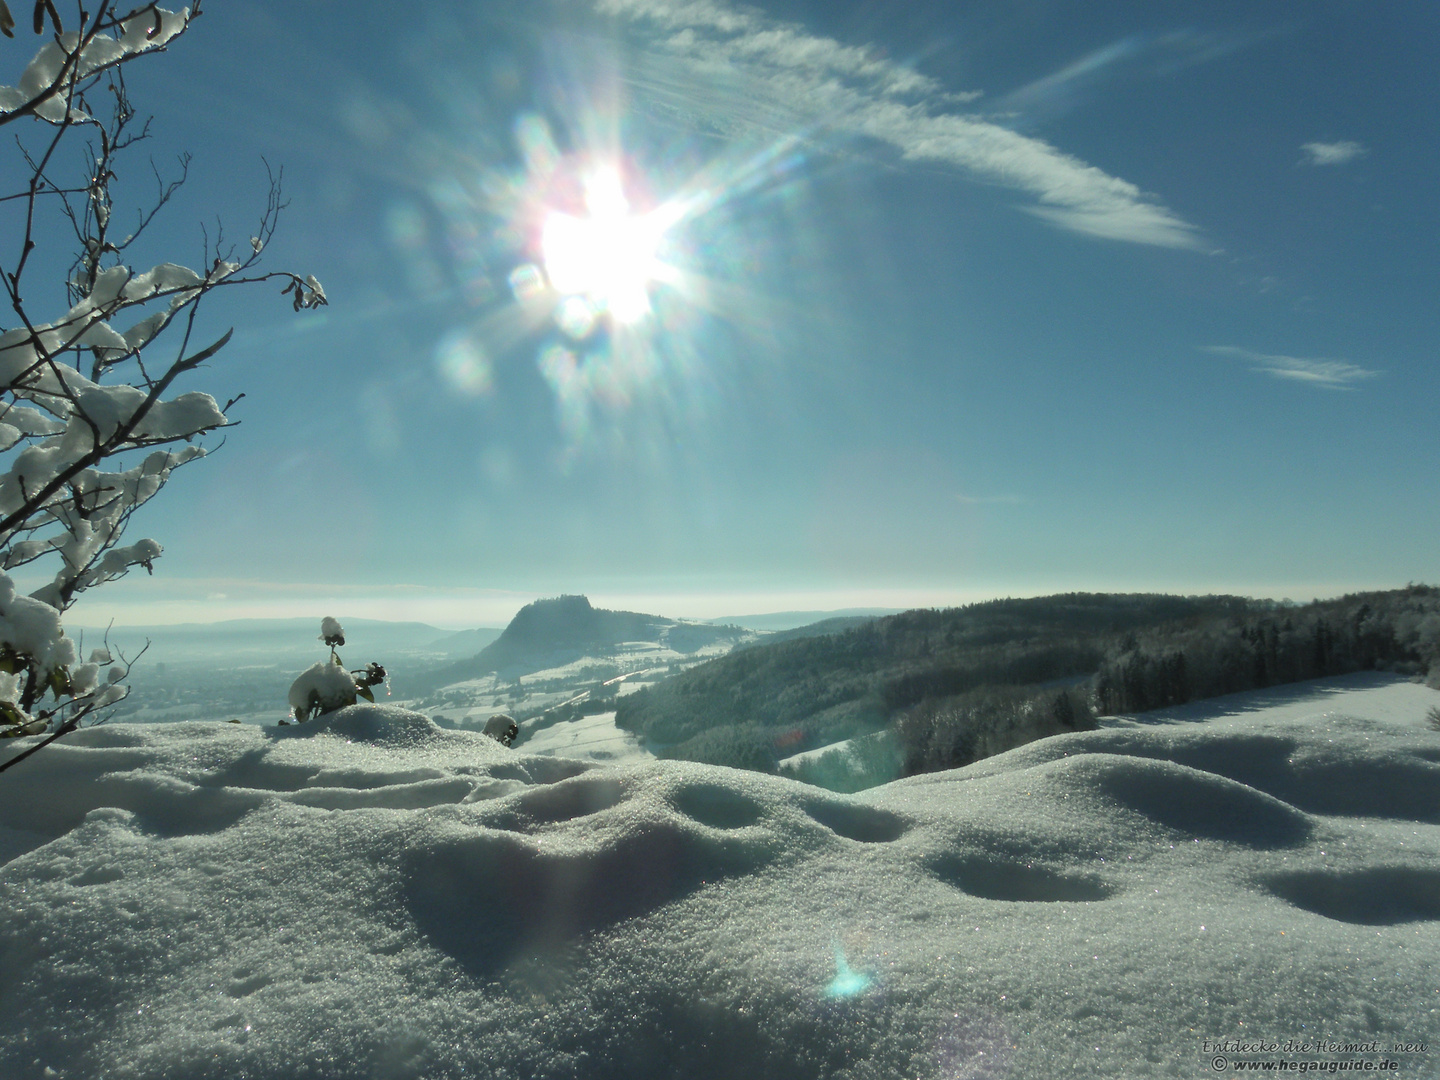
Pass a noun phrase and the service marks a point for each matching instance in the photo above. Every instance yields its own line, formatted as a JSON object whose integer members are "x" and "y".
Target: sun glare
{"x": 607, "y": 259}
{"x": 620, "y": 286}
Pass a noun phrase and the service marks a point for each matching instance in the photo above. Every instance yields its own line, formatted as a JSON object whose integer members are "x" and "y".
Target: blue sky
{"x": 949, "y": 302}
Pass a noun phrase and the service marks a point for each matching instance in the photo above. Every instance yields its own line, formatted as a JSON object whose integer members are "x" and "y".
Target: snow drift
{"x": 368, "y": 895}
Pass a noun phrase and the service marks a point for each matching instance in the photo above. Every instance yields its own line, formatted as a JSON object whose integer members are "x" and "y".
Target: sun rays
{"x": 636, "y": 259}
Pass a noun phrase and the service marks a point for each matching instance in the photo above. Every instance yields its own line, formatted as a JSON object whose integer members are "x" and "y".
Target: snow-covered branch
{"x": 55, "y": 78}
{"x": 92, "y": 424}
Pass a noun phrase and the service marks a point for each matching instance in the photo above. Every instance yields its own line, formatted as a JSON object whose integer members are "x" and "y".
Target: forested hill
{"x": 832, "y": 686}
{"x": 957, "y": 684}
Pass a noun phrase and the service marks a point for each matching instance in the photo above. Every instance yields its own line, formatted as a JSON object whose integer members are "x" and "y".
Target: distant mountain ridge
{"x": 564, "y": 624}
{"x": 822, "y": 628}
{"x": 555, "y": 631}
{"x": 781, "y": 621}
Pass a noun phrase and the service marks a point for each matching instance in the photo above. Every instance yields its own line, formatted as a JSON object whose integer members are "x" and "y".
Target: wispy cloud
{"x": 1142, "y": 55}
{"x": 1057, "y": 92}
{"x": 737, "y": 71}
{"x": 1332, "y": 153}
{"x": 1326, "y": 374}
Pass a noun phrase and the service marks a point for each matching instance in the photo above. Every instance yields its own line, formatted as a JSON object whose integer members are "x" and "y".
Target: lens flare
{"x": 537, "y": 145}
{"x": 576, "y": 317}
{"x": 526, "y": 282}
{"x": 407, "y": 226}
{"x": 847, "y": 983}
{"x": 562, "y": 369}
{"x": 973, "y": 1047}
{"x": 463, "y": 363}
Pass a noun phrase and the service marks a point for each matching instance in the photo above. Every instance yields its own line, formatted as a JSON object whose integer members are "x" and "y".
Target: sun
{"x": 607, "y": 259}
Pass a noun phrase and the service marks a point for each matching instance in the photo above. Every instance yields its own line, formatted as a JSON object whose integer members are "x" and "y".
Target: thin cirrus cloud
{"x": 1332, "y": 153}
{"x": 736, "y": 71}
{"x": 1325, "y": 374}
{"x": 1138, "y": 55}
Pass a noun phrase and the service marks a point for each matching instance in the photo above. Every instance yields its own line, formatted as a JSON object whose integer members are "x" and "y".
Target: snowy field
{"x": 639, "y": 664}
{"x": 368, "y": 895}
{"x": 590, "y": 738}
{"x": 794, "y": 761}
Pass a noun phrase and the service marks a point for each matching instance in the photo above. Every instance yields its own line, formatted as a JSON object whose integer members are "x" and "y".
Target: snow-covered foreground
{"x": 371, "y": 896}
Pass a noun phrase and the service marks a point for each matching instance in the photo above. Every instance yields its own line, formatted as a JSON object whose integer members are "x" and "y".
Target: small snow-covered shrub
{"x": 321, "y": 688}
{"x": 502, "y": 729}
{"x": 327, "y": 686}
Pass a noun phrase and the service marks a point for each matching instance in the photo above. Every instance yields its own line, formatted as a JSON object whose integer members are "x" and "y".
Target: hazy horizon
{"x": 470, "y": 612}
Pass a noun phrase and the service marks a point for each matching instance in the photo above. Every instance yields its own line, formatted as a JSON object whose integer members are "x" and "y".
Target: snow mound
{"x": 370, "y": 895}
{"x": 380, "y": 725}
